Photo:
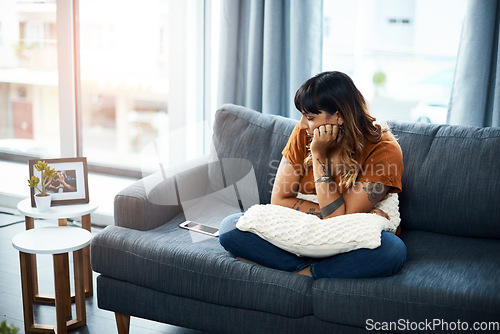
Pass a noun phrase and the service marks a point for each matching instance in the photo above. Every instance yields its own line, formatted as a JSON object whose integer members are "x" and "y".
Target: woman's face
{"x": 310, "y": 122}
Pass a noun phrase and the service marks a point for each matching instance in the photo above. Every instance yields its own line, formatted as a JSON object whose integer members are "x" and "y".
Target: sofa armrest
{"x": 154, "y": 200}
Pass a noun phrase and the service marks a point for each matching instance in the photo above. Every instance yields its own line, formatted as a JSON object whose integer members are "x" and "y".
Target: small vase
{"x": 43, "y": 202}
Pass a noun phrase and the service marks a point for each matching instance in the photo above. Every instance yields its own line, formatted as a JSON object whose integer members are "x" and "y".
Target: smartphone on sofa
{"x": 197, "y": 227}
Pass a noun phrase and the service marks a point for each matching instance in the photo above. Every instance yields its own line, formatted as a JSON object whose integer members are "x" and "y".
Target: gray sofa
{"x": 150, "y": 268}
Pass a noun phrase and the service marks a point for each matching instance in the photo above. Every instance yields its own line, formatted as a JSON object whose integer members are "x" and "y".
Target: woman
{"x": 337, "y": 152}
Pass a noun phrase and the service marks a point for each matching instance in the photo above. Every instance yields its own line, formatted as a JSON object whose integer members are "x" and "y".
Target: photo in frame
{"x": 69, "y": 185}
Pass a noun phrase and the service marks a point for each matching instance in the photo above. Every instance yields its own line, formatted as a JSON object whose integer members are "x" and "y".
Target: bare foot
{"x": 306, "y": 271}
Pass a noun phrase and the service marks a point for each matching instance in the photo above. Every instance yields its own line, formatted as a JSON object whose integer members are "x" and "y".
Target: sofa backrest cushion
{"x": 245, "y": 135}
{"x": 451, "y": 181}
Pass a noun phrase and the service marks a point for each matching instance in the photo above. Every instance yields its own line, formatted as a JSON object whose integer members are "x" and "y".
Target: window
{"x": 29, "y": 113}
{"x": 400, "y": 54}
{"x": 142, "y": 80}
{"x": 139, "y": 76}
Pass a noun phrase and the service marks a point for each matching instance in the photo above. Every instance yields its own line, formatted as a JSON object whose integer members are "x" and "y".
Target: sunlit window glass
{"x": 29, "y": 105}
{"x": 141, "y": 78}
{"x": 401, "y": 54}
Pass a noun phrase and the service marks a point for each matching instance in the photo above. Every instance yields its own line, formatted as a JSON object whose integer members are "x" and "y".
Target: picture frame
{"x": 71, "y": 185}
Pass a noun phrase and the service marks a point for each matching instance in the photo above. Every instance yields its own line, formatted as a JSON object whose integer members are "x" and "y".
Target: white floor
{"x": 102, "y": 188}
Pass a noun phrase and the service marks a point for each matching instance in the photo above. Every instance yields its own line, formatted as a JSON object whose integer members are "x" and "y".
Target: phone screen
{"x": 199, "y": 227}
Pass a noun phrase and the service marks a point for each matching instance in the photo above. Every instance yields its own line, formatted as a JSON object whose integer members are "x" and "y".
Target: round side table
{"x": 61, "y": 213}
{"x": 58, "y": 241}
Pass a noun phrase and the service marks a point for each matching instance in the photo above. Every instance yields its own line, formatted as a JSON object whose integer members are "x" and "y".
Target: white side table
{"x": 61, "y": 213}
{"x": 58, "y": 241}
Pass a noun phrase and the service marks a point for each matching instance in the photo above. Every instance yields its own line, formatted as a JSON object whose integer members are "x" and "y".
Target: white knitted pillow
{"x": 308, "y": 235}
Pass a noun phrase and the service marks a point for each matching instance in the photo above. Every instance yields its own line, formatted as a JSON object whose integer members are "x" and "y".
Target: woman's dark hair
{"x": 335, "y": 91}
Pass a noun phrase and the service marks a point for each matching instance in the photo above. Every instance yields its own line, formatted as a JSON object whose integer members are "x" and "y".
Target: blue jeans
{"x": 385, "y": 260}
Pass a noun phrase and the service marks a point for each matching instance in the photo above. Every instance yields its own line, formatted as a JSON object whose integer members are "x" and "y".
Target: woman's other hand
{"x": 380, "y": 213}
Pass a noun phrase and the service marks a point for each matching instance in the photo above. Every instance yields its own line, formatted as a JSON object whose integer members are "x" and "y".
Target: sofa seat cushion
{"x": 188, "y": 264}
{"x": 445, "y": 277}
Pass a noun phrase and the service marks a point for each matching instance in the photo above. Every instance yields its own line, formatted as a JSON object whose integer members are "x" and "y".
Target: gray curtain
{"x": 268, "y": 49}
{"x": 475, "y": 97}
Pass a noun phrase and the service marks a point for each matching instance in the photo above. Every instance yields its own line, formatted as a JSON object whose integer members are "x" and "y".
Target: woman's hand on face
{"x": 325, "y": 138}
